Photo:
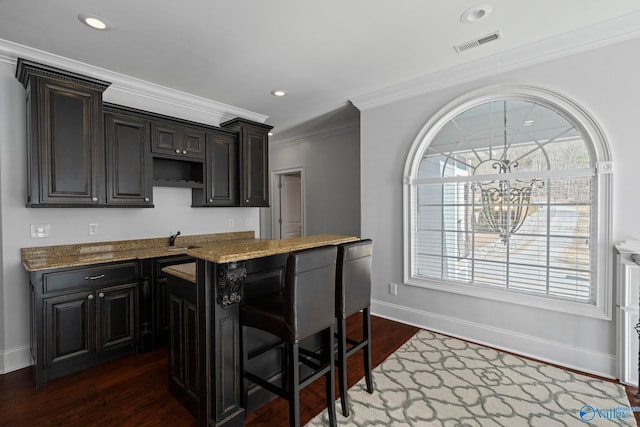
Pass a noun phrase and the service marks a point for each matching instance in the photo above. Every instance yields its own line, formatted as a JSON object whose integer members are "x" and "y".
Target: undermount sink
{"x": 181, "y": 248}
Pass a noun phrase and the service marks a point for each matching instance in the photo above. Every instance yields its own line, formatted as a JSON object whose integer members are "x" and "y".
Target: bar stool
{"x": 353, "y": 294}
{"x": 304, "y": 308}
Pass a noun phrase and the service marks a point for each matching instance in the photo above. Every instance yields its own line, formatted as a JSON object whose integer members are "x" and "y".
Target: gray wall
{"x": 331, "y": 163}
{"x": 605, "y": 83}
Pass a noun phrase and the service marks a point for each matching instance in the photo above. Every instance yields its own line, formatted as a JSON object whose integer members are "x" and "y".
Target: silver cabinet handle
{"x": 184, "y": 151}
{"x": 210, "y": 200}
{"x": 101, "y": 294}
{"x": 94, "y": 199}
{"x": 177, "y": 151}
{"x": 90, "y": 296}
{"x": 146, "y": 199}
{"x": 101, "y": 276}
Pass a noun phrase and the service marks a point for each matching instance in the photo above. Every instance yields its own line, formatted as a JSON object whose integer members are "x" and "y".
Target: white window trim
{"x": 596, "y": 142}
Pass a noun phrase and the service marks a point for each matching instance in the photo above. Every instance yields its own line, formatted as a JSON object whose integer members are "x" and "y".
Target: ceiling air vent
{"x": 477, "y": 42}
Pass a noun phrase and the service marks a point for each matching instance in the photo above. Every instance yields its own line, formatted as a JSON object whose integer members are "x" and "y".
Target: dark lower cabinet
{"x": 184, "y": 369}
{"x": 160, "y": 297}
{"x": 82, "y": 316}
{"x": 116, "y": 314}
{"x": 68, "y": 327}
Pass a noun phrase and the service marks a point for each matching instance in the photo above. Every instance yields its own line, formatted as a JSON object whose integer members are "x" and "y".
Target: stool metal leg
{"x": 342, "y": 364}
{"x": 330, "y": 375}
{"x": 294, "y": 385}
{"x": 366, "y": 333}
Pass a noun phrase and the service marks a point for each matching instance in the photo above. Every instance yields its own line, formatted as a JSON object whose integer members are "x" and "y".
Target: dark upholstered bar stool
{"x": 353, "y": 294}
{"x": 304, "y": 308}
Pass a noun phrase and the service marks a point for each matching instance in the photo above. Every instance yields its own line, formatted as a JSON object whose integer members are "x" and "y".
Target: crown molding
{"x": 582, "y": 40}
{"x": 338, "y": 129}
{"x": 123, "y": 87}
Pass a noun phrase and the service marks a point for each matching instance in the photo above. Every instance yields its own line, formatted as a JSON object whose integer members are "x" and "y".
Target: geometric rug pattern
{"x": 435, "y": 380}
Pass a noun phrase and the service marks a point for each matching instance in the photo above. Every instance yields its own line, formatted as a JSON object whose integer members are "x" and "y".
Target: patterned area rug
{"x": 433, "y": 380}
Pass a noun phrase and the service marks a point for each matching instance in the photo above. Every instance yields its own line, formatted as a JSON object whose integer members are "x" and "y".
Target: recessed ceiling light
{"x": 94, "y": 22}
{"x": 278, "y": 92}
{"x": 528, "y": 122}
{"x": 270, "y": 133}
{"x": 476, "y": 13}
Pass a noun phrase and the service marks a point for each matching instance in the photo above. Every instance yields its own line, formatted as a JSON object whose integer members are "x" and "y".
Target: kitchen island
{"x": 224, "y": 273}
{"x": 69, "y": 282}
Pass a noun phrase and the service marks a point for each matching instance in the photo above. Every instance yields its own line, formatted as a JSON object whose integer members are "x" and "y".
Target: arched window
{"x": 507, "y": 197}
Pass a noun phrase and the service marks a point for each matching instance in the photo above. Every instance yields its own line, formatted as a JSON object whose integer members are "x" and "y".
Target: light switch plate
{"x": 93, "y": 229}
{"x": 38, "y": 231}
{"x": 393, "y": 288}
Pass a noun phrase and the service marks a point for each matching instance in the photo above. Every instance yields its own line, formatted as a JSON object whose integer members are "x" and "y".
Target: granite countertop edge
{"x": 219, "y": 248}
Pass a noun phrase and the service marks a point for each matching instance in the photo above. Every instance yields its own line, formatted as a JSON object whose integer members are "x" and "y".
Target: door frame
{"x": 275, "y": 205}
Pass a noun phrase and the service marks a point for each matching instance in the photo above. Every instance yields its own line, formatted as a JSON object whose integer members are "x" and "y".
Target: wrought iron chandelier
{"x": 505, "y": 206}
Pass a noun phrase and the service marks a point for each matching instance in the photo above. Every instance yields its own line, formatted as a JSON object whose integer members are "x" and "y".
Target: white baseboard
{"x": 14, "y": 359}
{"x": 581, "y": 359}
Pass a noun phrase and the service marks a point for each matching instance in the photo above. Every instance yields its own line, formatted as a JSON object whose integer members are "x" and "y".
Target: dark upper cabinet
{"x": 254, "y": 161}
{"x": 65, "y": 136}
{"x": 173, "y": 139}
{"x": 221, "y": 171}
{"x": 83, "y": 153}
{"x": 128, "y": 161}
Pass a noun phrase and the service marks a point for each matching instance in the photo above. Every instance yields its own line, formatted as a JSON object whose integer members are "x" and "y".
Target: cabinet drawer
{"x": 97, "y": 275}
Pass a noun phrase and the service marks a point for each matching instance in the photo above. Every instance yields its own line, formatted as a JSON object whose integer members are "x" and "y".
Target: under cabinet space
{"x": 177, "y": 173}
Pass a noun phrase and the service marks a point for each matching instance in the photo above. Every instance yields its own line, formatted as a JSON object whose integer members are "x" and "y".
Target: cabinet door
{"x": 192, "y": 143}
{"x": 128, "y": 163}
{"x": 221, "y": 183}
{"x": 161, "y": 296}
{"x": 116, "y": 316}
{"x": 255, "y": 167}
{"x": 68, "y": 327}
{"x": 69, "y": 144}
{"x": 165, "y": 138}
{"x": 184, "y": 364}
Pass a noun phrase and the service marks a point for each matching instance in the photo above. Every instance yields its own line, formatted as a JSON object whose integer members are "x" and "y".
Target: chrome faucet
{"x": 172, "y": 238}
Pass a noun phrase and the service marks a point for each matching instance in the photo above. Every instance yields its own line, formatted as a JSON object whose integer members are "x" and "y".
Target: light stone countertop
{"x": 218, "y": 248}
{"x": 183, "y": 271}
{"x": 61, "y": 256}
{"x": 244, "y": 249}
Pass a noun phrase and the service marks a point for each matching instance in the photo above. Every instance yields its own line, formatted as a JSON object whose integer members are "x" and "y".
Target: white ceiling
{"x": 323, "y": 53}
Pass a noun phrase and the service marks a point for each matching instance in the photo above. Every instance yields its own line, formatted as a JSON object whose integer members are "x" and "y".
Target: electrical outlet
{"x": 393, "y": 288}
{"x": 93, "y": 229}
{"x": 230, "y": 222}
{"x": 38, "y": 231}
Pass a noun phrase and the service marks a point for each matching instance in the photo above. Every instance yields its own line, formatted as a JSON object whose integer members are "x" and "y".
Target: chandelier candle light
{"x": 504, "y": 206}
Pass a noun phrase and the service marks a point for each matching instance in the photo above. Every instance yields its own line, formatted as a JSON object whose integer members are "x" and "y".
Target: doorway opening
{"x": 288, "y": 204}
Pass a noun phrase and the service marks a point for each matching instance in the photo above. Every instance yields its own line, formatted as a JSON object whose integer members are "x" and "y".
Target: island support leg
{"x": 220, "y": 358}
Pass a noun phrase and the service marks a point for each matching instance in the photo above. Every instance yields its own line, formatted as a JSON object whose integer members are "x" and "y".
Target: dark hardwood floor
{"x": 133, "y": 390}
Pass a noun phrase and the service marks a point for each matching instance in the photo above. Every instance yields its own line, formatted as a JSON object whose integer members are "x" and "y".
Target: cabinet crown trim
{"x": 26, "y": 69}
